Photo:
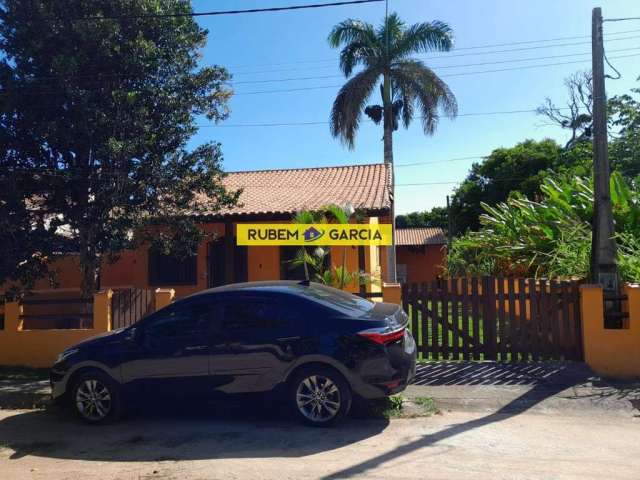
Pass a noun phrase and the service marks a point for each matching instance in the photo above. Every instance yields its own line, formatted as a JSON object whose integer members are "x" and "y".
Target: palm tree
{"x": 407, "y": 83}
{"x": 384, "y": 54}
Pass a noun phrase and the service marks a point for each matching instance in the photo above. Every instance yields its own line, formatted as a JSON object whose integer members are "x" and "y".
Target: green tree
{"x": 550, "y": 236}
{"x": 96, "y": 114}
{"x": 383, "y": 55}
{"x": 516, "y": 169}
{"x": 436, "y": 217}
{"x": 624, "y": 128}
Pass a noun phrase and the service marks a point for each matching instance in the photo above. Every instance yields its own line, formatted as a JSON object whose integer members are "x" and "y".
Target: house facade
{"x": 268, "y": 196}
{"x": 420, "y": 254}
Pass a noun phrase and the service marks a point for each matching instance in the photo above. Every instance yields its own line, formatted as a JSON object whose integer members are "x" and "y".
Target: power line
{"x": 620, "y": 19}
{"x": 462, "y": 74}
{"x": 228, "y": 12}
{"x": 456, "y": 49}
{"x": 500, "y": 62}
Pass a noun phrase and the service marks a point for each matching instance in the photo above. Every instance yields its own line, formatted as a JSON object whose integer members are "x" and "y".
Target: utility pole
{"x": 603, "y": 246}
{"x": 449, "y": 226}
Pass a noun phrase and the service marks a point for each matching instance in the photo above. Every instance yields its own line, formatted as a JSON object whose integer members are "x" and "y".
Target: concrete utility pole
{"x": 449, "y": 226}
{"x": 603, "y": 246}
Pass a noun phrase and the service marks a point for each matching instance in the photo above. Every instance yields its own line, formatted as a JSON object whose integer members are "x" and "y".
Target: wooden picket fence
{"x": 493, "y": 318}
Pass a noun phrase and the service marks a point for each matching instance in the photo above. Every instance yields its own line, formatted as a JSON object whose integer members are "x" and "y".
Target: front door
{"x": 217, "y": 263}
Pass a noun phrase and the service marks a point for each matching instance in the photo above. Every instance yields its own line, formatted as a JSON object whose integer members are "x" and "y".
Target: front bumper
{"x": 58, "y": 378}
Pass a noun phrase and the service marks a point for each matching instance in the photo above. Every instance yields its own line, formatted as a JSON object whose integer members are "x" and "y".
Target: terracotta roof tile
{"x": 366, "y": 187}
{"x": 420, "y": 236}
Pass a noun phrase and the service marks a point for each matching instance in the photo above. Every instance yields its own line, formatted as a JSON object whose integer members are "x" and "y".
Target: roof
{"x": 366, "y": 187}
{"x": 420, "y": 236}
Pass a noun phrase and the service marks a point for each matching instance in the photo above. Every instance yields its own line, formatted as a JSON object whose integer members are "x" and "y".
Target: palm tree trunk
{"x": 388, "y": 159}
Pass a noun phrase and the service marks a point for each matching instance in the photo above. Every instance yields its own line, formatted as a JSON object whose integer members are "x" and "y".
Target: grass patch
{"x": 397, "y": 406}
{"x": 23, "y": 373}
{"x": 427, "y": 404}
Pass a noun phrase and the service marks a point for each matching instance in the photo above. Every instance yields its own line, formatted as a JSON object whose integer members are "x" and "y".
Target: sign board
{"x": 319, "y": 234}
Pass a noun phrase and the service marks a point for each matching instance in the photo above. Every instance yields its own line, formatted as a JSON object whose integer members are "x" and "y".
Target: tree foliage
{"x": 408, "y": 86}
{"x": 436, "y": 217}
{"x": 95, "y": 116}
{"x": 551, "y": 236}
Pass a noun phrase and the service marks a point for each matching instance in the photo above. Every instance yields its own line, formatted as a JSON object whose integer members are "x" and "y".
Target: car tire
{"x": 95, "y": 398}
{"x": 320, "y": 396}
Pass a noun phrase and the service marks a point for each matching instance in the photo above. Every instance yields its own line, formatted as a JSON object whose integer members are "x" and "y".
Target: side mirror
{"x": 134, "y": 334}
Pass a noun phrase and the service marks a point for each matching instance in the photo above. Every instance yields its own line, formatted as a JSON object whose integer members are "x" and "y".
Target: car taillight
{"x": 383, "y": 336}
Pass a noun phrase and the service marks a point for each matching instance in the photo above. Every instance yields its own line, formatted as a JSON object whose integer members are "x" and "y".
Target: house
{"x": 268, "y": 196}
{"x": 420, "y": 254}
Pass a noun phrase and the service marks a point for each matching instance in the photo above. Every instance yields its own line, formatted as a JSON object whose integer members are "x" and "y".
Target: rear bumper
{"x": 385, "y": 376}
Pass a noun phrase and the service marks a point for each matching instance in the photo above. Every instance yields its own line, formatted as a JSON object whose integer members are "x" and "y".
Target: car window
{"x": 251, "y": 313}
{"x": 335, "y": 299}
{"x": 180, "y": 321}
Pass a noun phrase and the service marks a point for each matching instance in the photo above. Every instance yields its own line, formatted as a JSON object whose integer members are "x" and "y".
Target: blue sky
{"x": 278, "y": 46}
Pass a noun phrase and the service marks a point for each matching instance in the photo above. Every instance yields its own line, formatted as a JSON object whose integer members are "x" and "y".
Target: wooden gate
{"x": 489, "y": 318}
{"x": 128, "y": 305}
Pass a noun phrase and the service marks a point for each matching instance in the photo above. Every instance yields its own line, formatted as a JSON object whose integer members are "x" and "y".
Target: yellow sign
{"x": 313, "y": 234}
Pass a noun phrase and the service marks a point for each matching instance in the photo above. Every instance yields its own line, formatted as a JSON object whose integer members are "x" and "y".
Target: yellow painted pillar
{"x": 12, "y": 313}
{"x": 610, "y": 352}
{"x": 102, "y": 310}
{"x": 164, "y": 297}
{"x": 392, "y": 293}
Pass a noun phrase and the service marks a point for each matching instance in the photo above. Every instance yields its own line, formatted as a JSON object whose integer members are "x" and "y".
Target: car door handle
{"x": 287, "y": 339}
{"x": 196, "y": 348}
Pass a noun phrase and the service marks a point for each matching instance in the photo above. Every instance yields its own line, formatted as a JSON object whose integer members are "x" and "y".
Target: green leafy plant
{"x": 550, "y": 237}
{"x": 315, "y": 261}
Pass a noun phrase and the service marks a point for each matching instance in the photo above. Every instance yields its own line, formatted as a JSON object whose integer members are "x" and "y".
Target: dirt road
{"x": 453, "y": 445}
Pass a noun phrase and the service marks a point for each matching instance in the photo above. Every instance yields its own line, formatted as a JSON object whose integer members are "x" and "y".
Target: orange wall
{"x": 611, "y": 352}
{"x": 422, "y": 267}
{"x": 131, "y": 268}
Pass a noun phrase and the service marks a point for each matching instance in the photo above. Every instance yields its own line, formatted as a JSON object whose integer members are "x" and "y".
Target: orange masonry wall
{"x": 40, "y": 348}
{"x": 611, "y": 352}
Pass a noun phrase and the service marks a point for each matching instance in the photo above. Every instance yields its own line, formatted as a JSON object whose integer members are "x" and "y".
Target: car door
{"x": 171, "y": 351}
{"x": 260, "y": 336}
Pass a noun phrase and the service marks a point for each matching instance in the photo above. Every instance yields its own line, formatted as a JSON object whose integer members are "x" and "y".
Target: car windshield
{"x": 335, "y": 299}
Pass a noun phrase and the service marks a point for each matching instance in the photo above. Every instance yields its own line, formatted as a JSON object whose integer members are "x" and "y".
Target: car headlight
{"x": 66, "y": 354}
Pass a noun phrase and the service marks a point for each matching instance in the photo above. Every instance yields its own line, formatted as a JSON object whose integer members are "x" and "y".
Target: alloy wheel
{"x": 318, "y": 398}
{"x": 93, "y": 400}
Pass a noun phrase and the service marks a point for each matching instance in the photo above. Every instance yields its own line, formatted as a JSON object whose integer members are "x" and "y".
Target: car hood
{"x": 104, "y": 338}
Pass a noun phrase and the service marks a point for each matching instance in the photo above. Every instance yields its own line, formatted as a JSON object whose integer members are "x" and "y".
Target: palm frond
{"x": 395, "y": 27}
{"x": 432, "y": 95}
{"x": 424, "y": 37}
{"x": 349, "y": 104}
{"x": 338, "y": 213}
{"x": 352, "y": 31}
{"x": 358, "y": 53}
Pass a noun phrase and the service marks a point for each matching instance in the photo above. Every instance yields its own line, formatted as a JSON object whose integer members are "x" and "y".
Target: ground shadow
{"x": 546, "y": 380}
{"x": 239, "y": 428}
{"x": 502, "y": 374}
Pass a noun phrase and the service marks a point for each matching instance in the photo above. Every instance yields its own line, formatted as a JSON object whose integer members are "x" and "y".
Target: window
{"x": 345, "y": 303}
{"x": 181, "y": 321}
{"x": 248, "y": 313}
{"x": 165, "y": 270}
